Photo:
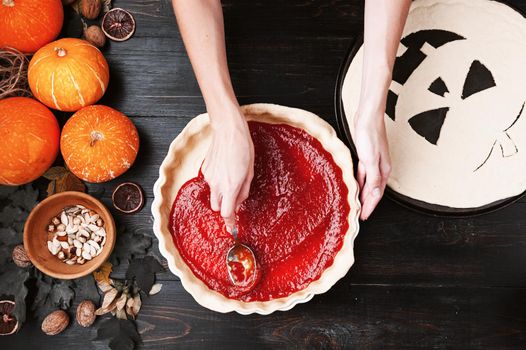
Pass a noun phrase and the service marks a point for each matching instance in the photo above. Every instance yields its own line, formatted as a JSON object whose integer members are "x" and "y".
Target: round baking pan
{"x": 408, "y": 202}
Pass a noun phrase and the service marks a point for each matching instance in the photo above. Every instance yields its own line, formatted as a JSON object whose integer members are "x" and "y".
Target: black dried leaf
{"x": 73, "y": 26}
{"x": 15, "y": 205}
{"x": 9, "y": 216}
{"x": 43, "y": 285}
{"x": 62, "y": 293}
{"x": 51, "y": 294}
{"x": 130, "y": 244}
{"x": 143, "y": 271}
{"x": 6, "y": 191}
{"x": 122, "y": 334}
{"x": 86, "y": 288}
{"x": 13, "y": 286}
{"x": 9, "y": 237}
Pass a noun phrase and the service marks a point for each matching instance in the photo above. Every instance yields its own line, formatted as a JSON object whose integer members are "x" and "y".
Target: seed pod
{"x": 90, "y": 8}
{"x": 86, "y": 313}
{"x": 55, "y": 322}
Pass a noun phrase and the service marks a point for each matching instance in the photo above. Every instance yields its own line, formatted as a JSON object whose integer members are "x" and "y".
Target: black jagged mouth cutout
{"x": 428, "y": 124}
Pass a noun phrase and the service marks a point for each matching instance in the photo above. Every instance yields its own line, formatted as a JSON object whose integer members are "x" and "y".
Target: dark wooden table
{"x": 418, "y": 281}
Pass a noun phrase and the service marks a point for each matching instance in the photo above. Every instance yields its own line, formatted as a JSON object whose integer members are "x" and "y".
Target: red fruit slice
{"x": 128, "y": 198}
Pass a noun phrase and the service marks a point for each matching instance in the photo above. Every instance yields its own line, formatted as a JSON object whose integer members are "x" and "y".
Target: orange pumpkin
{"x": 68, "y": 74}
{"x": 27, "y": 25}
{"x": 29, "y": 136}
{"x": 99, "y": 143}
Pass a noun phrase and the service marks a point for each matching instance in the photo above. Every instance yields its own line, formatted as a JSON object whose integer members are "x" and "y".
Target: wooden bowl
{"x": 36, "y": 235}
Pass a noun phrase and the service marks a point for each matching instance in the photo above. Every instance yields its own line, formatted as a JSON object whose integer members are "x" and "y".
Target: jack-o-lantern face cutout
{"x": 454, "y": 113}
{"x": 429, "y": 123}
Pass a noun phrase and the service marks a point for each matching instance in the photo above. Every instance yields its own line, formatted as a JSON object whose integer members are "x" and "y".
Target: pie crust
{"x": 479, "y": 158}
{"x": 183, "y": 161}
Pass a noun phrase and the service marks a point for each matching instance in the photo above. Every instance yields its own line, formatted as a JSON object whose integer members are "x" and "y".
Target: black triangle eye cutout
{"x": 438, "y": 87}
{"x": 428, "y": 124}
{"x": 479, "y": 78}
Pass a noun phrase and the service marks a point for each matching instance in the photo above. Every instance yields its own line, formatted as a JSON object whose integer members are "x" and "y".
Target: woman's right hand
{"x": 374, "y": 166}
{"x": 229, "y": 163}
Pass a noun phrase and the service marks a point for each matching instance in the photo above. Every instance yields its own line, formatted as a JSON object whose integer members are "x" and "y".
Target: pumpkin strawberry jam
{"x": 295, "y": 218}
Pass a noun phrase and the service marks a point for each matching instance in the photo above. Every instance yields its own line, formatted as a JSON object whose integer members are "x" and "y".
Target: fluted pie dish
{"x": 301, "y": 217}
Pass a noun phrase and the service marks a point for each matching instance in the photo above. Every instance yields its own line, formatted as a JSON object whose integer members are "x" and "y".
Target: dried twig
{"x": 13, "y": 73}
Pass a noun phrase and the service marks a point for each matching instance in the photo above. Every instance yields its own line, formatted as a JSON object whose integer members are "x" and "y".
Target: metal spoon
{"x": 241, "y": 263}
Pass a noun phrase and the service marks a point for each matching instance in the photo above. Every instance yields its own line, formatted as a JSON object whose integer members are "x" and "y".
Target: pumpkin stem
{"x": 9, "y": 3}
{"x": 95, "y": 136}
{"x": 60, "y": 51}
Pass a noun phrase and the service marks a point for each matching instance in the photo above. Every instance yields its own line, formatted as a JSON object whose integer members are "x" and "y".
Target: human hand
{"x": 374, "y": 164}
{"x": 229, "y": 164}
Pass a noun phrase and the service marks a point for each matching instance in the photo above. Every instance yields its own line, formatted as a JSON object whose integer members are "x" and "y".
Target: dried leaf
{"x": 136, "y": 304}
{"x": 104, "y": 287}
{"x": 51, "y": 188}
{"x": 121, "y": 303}
{"x": 106, "y": 6}
{"x": 69, "y": 182}
{"x": 156, "y": 288}
{"x": 143, "y": 271}
{"x": 63, "y": 180}
{"x": 129, "y": 306}
{"x": 13, "y": 286}
{"x": 51, "y": 294}
{"x": 122, "y": 333}
{"x": 102, "y": 274}
{"x": 130, "y": 244}
{"x": 86, "y": 288}
{"x": 15, "y": 205}
{"x": 109, "y": 297}
{"x": 55, "y": 173}
{"x": 121, "y": 314}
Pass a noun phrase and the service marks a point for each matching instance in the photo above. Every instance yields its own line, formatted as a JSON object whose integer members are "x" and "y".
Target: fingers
{"x": 215, "y": 200}
{"x": 373, "y": 180}
{"x": 372, "y": 190}
{"x": 245, "y": 191}
{"x": 228, "y": 204}
{"x": 361, "y": 175}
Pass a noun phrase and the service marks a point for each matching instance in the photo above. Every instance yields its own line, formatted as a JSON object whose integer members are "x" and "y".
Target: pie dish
{"x": 183, "y": 163}
{"x": 455, "y": 108}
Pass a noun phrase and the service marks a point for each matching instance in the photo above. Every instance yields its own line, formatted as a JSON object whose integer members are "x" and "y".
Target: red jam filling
{"x": 294, "y": 220}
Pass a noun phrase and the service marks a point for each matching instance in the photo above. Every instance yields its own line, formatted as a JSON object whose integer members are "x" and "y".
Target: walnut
{"x": 20, "y": 256}
{"x": 55, "y": 322}
{"x": 86, "y": 313}
{"x": 95, "y": 36}
{"x": 90, "y": 8}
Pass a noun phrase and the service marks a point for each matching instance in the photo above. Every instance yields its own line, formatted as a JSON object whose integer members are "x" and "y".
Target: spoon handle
{"x": 234, "y": 232}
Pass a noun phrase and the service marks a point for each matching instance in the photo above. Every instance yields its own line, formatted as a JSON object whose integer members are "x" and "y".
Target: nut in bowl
{"x": 69, "y": 235}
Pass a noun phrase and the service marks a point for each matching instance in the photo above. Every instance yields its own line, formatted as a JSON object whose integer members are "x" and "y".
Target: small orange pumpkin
{"x": 99, "y": 143}
{"x": 68, "y": 74}
{"x": 29, "y": 135}
{"x": 27, "y": 25}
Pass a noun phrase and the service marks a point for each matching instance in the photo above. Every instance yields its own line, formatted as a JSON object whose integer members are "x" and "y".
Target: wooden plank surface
{"x": 418, "y": 281}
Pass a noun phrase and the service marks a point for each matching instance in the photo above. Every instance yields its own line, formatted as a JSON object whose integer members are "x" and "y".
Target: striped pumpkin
{"x": 29, "y": 135}
{"x": 27, "y": 25}
{"x": 99, "y": 143}
{"x": 68, "y": 74}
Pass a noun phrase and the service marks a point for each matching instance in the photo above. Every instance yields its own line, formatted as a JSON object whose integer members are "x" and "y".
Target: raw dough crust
{"x": 496, "y": 35}
{"x": 182, "y": 163}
